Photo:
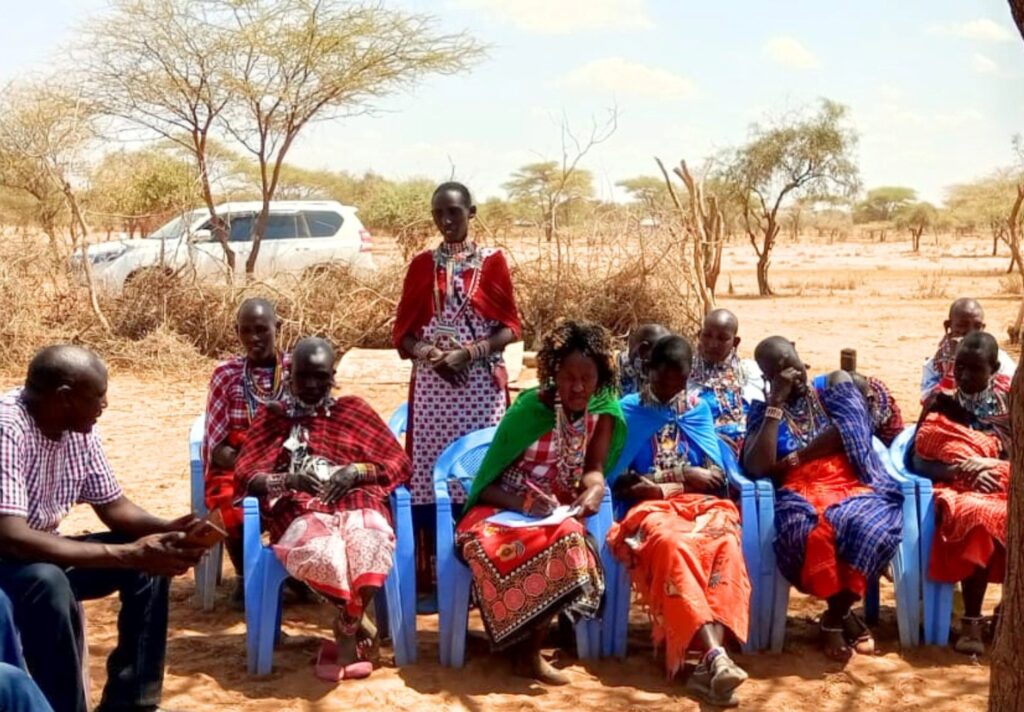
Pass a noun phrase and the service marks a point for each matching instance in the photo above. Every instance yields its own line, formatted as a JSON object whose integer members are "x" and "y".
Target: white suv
{"x": 300, "y": 235}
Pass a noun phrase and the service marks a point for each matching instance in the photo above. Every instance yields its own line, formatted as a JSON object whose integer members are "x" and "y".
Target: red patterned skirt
{"x": 524, "y": 575}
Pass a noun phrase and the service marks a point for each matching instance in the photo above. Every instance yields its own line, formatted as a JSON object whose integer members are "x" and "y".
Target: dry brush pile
{"x": 177, "y": 324}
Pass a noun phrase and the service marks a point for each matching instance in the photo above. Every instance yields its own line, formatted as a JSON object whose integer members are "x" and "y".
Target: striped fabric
{"x": 868, "y": 527}
{"x": 42, "y": 479}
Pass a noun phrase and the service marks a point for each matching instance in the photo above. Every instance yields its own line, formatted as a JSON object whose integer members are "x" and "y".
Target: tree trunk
{"x": 995, "y": 244}
{"x": 915, "y": 236}
{"x": 763, "y": 288}
{"x": 78, "y": 222}
{"x": 257, "y": 239}
{"x": 1006, "y": 693}
{"x": 1017, "y": 10}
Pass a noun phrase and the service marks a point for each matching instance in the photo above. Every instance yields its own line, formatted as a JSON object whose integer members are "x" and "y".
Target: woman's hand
{"x": 538, "y": 505}
{"x": 703, "y": 479}
{"x": 786, "y": 382}
{"x": 451, "y": 365}
{"x": 589, "y": 500}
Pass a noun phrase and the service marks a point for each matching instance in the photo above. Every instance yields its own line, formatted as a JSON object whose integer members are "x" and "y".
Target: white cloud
{"x": 559, "y": 17}
{"x": 982, "y": 30}
{"x": 620, "y": 76}
{"x": 983, "y": 65}
{"x": 788, "y": 52}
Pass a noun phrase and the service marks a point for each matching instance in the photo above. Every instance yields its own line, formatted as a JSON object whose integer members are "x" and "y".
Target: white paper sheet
{"x": 509, "y": 518}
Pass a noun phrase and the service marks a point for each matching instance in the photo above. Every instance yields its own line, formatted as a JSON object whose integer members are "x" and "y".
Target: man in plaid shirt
{"x": 50, "y": 460}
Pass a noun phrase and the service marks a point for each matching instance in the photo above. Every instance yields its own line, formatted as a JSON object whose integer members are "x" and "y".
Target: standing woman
{"x": 552, "y": 448}
{"x": 455, "y": 318}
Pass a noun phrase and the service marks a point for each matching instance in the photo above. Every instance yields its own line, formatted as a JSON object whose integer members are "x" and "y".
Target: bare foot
{"x": 368, "y": 639}
{"x": 858, "y": 635}
{"x": 833, "y": 640}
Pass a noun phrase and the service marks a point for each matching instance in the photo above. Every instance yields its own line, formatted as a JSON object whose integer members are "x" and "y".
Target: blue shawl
{"x": 643, "y": 422}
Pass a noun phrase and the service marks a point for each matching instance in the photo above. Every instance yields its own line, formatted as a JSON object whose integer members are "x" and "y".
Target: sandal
{"x": 858, "y": 635}
{"x": 328, "y": 669}
{"x": 829, "y": 636}
{"x": 969, "y": 642}
{"x": 699, "y": 684}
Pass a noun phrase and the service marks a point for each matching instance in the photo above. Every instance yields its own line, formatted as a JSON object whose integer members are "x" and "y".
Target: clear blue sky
{"x": 936, "y": 87}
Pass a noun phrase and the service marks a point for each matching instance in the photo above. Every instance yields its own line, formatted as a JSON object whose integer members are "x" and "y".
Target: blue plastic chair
{"x": 461, "y": 460}
{"x": 906, "y": 570}
{"x": 264, "y": 575}
{"x": 616, "y": 621}
{"x": 208, "y": 570}
{"x": 399, "y": 421}
{"x": 937, "y": 597}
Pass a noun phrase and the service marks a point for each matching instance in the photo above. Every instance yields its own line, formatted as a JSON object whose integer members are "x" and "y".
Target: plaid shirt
{"x": 226, "y": 409}
{"x": 42, "y": 479}
{"x": 352, "y": 434}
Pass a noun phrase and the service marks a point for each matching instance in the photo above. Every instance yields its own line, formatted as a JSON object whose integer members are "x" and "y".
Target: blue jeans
{"x": 18, "y": 693}
{"x": 45, "y": 598}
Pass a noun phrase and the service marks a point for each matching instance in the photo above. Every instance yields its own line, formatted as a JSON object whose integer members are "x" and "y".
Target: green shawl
{"x": 526, "y": 422}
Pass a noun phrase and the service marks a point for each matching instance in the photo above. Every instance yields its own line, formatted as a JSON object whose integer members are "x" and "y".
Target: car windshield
{"x": 176, "y": 228}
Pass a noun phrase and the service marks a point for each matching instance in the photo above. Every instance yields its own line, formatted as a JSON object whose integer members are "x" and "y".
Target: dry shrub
{"x": 176, "y": 324}
{"x": 1010, "y": 284}
{"x": 933, "y": 285}
{"x": 616, "y": 281}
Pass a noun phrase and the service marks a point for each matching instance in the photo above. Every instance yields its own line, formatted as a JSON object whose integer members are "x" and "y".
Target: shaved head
{"x": 313, "y": 349}
{"x": 643, "y": 339}
{"x": 773, "y": 348}
{"x": 966, "y": 306}
{"x": 965, "y": 316}
{"x": 312, "y": 374}
{"x": 256, "y": 307}
{"x": 722, "y": 319}
{"x": 63, "y": 365}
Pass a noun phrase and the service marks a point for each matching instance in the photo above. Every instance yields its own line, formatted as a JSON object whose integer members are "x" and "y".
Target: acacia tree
{"x": 548, "y": 191}
{"x": 1006, "y": 693}
{"x": 48, "y": 128}
{"x": 649, "y": 192}
{"x": 883, "y": 204}
{"x": 297, "y": 61}
{"x": 158, "y": 66}
{"x": 916, "y": 218}
{"x": 807, "y": 157}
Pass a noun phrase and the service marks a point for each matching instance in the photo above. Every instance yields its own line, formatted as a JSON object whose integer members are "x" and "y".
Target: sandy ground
{"x": 877, "y": 298}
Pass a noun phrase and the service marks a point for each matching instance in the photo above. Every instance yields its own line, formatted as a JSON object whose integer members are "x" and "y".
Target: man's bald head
{"x": 66, "y": 389}
{"x": 965, "y": 316}
{"x": 643, "y": 338}
{"x": 63, "y": 365}
{"x": 257, "y": 325}
{"x": 313, "y": 349}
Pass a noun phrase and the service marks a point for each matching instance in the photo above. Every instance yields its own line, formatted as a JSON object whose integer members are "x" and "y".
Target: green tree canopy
{"x": 883, "y": 203}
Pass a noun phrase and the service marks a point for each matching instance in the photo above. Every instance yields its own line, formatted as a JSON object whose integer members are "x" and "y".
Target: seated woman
{"x": 323, "y": 469}
{"x": 681, "y": 541}
{"x": 962, "y": 444}
{"x": 552, "y": 448}
{"x": 838, "y": 514}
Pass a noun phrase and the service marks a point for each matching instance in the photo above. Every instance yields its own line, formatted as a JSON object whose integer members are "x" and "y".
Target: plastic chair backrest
{"x": 462, "y": 458}
{"x": 398, "y": 423}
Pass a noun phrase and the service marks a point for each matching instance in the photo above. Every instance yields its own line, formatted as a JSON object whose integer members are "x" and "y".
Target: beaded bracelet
{"x": 479, "y": 350}
{"x": 422, "y": 350}
{"x": 276, "y": 484}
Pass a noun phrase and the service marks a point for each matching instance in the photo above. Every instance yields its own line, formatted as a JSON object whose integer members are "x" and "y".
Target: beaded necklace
{"x": 453, "y": 258}
{"x": 255, "y": 396}
{"x": 805, "y": 418}
{"x": 571, "y": 445}
{"x": 725, "y": 381}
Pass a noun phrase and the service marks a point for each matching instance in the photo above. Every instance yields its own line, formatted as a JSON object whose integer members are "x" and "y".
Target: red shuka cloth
{"x": 493, "y": 298}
